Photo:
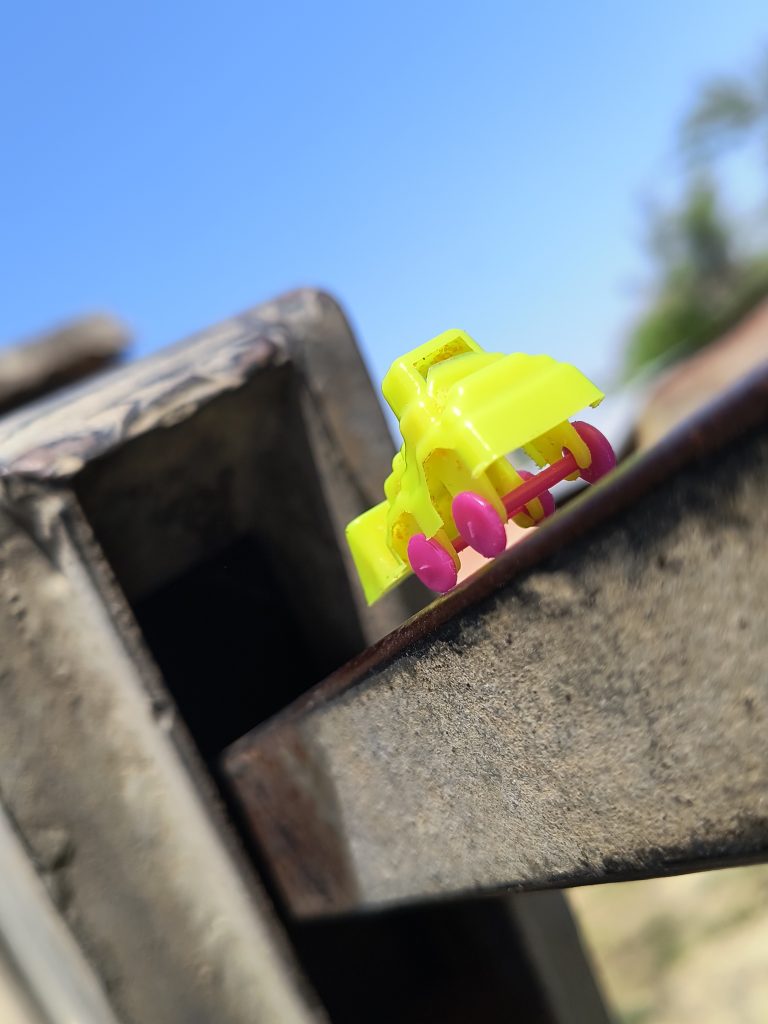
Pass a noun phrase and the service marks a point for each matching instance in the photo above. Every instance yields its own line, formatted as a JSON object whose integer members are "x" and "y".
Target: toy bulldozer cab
{"x": 461, "y": 410}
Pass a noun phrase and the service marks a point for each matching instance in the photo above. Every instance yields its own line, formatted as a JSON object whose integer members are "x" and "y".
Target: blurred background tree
{"x": 729, "y": 111}
{"x": 708, "y": 273}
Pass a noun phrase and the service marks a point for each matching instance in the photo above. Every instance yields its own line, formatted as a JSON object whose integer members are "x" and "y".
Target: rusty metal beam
{"x": 592, "y": 707}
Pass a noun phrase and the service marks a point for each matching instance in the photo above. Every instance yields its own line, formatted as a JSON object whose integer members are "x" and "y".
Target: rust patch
{"x": 291, "y": 806}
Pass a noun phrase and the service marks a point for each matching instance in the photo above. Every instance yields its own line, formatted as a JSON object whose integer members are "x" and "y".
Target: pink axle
{"x": 478, "y": 524}
{"x": 516, "y": 500}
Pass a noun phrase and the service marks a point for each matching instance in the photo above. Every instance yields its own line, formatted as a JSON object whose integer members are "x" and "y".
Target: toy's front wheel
{"x": 432, "y": 564}
{"x": 603, "y": 455}
{"x": 478, "y": 524}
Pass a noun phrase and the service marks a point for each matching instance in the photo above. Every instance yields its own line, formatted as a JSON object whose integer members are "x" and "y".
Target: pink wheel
{"x": 546, "y": 499}
{"x": 478, "y": 523}
{"x": 603, "y": 455}
{"x": 431, "y": 563}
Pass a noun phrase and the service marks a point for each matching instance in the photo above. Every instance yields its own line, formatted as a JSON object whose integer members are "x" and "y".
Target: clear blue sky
{"x": 433, "y": 164}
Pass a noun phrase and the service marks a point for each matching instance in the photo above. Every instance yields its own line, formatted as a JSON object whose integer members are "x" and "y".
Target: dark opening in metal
{"x": 217, "y": 531}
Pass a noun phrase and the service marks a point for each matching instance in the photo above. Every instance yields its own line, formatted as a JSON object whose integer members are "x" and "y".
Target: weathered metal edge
{"x": 307, "y": 329}
{"x": 49, "y": 965}
{"x": 53, "y": 438}
{"x": 159, "y": 752}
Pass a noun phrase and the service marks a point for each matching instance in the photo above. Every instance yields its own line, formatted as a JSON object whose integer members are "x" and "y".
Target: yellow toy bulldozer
{"x": 461, "y": 410}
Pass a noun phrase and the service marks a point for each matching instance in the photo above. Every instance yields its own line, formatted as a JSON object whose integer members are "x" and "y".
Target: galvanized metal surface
{"x": 91, "y": 754}
{"x": 43, "y": 975}
{"x": 154, "y": 465}
{"x": 592, "y": 707}
{"x": 129, "y": 415}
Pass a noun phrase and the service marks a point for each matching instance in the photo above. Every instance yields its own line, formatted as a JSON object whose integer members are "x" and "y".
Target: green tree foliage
{"x": 726, "y": 115}
{"x": 706, "y": 280}
{"x": 729, "y": 111}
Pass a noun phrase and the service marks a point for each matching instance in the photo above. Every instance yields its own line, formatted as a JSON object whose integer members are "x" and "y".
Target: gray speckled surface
{"x": 600, "y": 714}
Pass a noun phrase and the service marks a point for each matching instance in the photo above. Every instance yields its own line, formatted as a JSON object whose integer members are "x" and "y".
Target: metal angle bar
{"x": 590, "y": 708}
{"x": 47, "y": 962}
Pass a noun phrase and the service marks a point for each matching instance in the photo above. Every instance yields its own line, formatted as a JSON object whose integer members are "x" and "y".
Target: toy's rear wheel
{"x": 546, "y": 499}
{"x": 478, "y": 524}
{"x": 603, "y": 455}
{"x": 431, "y": 563}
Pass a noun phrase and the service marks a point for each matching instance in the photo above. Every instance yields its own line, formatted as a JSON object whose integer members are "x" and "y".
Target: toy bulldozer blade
{"x": 378, "y": 566}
